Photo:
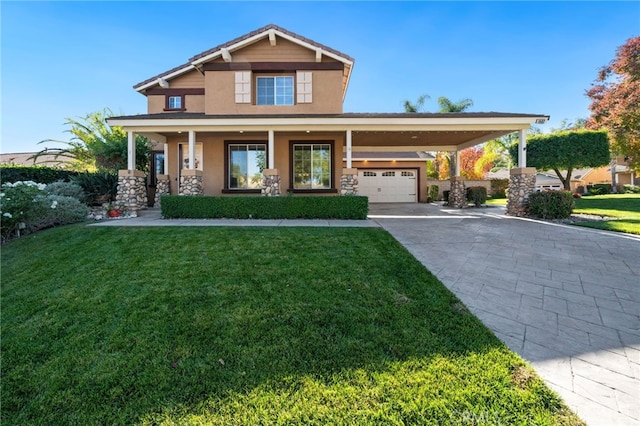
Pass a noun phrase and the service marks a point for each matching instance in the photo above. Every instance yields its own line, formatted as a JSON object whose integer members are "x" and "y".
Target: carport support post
{"x": 522, "y": 183}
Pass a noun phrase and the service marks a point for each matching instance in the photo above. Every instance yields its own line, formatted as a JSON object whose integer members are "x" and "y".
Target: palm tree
{"x": 447, "y": 106}
{"x": 409, "y": 107}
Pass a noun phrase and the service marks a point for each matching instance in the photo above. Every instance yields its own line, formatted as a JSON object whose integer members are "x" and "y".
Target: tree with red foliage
{"x": 615, "y": 101}
{"x": 468, "y": 160}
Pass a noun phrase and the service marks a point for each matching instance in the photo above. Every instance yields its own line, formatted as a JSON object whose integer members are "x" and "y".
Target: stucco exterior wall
{"x": 220, "y": 95}
{"x": 213, "y": 156}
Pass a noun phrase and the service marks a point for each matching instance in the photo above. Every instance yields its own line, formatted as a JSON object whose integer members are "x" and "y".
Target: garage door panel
{"x": 388, "y": 186}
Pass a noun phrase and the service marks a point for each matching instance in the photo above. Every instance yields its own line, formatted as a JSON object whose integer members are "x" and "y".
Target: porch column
{"x": 132, "y": 191}
{"x": 271, "y": 150}
{"x": 457, "y": 163}
{"x": 349, "y": 162}
{"x": 163, "y": 181}
{"x": 166, "y": 158}
{"x": 192, "y": 149}
{"x": 131, "y": 151}
{"x": 191, "y": 182}
{"x": 522, "y": 149}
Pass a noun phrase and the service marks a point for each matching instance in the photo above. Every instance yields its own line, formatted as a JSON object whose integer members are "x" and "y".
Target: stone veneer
{"x": 458, "y": 193}
{"x": 522, "y": 183}
{"x": 191, "y": 182}
{"x": 349, "y": 182}
{"x": 132, "y": 190}
{"x": 163, "y": 187}
{"x": 270, "y": 182}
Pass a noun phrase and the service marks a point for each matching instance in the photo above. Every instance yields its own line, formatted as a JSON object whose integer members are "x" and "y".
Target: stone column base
{"x": 458, "y": 193}
{"x": 522, "y": 183}
{"x": 163, "y": 185}
{"x": 270, "y": 182}
{"x": 191, "y": 182}
{"x": 132, "y": 190}
{"x": 349, "y": 182}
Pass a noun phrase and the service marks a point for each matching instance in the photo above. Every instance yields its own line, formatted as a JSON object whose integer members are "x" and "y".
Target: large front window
{"x": 312, "y": 166}
{"x": 274, "y": 90}
{"x": 246, "y": 162}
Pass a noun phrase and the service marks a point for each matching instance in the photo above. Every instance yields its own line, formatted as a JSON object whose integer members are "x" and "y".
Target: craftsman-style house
{"x": 263, "y": 114}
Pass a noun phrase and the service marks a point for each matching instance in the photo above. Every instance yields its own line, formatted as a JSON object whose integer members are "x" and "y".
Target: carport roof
{"x": 371, "y": 132}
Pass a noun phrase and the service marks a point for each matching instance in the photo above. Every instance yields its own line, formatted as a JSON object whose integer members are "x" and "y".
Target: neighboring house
{"x": 25, "y": 159}
{"x": 263, "y": 113}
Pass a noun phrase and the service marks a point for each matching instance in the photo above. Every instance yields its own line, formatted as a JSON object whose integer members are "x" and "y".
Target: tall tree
{"x": 615, "y": 101}
{"x": 96, "y": 145}
{"x": 469, "y": 166}
{"x": 417, "y": 107}
{"x": 447, "y": 105}
{"x": 566, "y": 151}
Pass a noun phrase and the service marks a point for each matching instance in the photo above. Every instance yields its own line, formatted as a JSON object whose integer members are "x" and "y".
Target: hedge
{"x": 41, "y": 174}
{"x": 551, "y": 204}
{"x": 252, "y": 207}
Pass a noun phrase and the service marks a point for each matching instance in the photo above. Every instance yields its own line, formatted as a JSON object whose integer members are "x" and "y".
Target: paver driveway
{"x": 565, "y": 298}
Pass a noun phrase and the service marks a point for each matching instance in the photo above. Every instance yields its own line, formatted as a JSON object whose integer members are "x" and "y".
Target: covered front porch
{"x": 306, "y": 154}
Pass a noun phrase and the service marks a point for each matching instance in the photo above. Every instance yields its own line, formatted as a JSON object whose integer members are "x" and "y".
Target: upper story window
{"x": 277, "y": 90}
{"x": 175, "y": 102}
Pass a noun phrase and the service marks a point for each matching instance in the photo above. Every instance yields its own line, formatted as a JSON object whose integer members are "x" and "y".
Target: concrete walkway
{"x": 564, "y": 298}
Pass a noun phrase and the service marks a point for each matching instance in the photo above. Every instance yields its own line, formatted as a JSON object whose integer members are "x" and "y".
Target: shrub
{"x": 16, "y": 202}
{"x": 54, "y": 210}
{"x": 599, "y": 189}
{"x": 477, "y": 195}
{"x": 66, "y": 189}
{"x": 551, "y": 204}
{"x": 629, "y": 189}
{"x": 99, "y": 187}
{"x": 499, "y": 188}
{"x": 42, "y": 174}
{"x": 434, "y": 190}
{"x": 243, "y": 207}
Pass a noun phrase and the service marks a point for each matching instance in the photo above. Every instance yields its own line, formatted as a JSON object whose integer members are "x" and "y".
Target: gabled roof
{"x": 268, "y": 31}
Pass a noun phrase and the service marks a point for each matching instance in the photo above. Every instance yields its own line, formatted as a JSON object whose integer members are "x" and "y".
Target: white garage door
{"x": 388, "y": 186}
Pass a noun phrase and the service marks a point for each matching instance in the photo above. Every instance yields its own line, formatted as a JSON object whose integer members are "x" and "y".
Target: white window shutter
{"x": 304, "y": 87}
{"x": 243, "y": 87}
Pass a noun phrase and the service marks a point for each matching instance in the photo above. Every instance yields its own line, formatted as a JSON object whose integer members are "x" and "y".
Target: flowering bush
{"x": 24, "y": 205}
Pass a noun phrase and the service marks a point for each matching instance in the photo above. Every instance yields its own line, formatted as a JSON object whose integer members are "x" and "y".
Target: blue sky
{"x": 66, "y": 59}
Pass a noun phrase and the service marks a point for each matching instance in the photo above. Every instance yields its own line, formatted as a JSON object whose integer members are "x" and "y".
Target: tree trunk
{"x": 566, "y": 181}
{"x": 612, "y": 167}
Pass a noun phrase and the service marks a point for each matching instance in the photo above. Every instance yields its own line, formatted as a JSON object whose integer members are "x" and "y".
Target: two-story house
{"x": 263, "y": 114}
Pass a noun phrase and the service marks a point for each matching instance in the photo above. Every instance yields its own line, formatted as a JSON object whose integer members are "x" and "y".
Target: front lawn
{"x": 625, "y": 208}
{"x": 247, "y": 326}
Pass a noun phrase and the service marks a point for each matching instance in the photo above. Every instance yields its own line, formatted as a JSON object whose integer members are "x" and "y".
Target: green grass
{"x": 247, "y": 326}
{"x": 496, "y": 202}
{"x": 624, "y": 207}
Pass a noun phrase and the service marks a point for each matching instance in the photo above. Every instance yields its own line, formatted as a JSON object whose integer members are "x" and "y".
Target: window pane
{"x": 312, "y": 166}
{"x": 274, "y": 90}
{"x": 246, "y": 163}
{"x": 175, "y": 102}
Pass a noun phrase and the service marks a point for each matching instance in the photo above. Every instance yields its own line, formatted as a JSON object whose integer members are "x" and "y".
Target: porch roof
{"x": 372, "y": 132}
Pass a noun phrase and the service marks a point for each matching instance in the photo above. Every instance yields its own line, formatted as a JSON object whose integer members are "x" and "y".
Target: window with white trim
{"x": 276, "y": 90}
{"x": 311, "y": 166}
{"x": 246, "y": 163}
{"x": 174, "y": 102}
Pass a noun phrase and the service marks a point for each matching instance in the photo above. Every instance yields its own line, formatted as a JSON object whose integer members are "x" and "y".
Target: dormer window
{"x": 274, "y": 90}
